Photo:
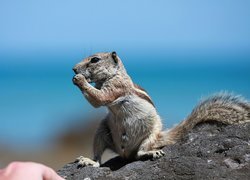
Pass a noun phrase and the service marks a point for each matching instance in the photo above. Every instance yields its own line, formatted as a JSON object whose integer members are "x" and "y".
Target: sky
{"x": 97, "y": 25}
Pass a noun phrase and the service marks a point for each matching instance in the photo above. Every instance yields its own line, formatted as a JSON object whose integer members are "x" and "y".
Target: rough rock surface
{"x": 209, "y": 151}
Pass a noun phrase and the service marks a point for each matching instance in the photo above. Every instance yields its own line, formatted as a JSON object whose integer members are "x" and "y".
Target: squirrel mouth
{"x": 85, "y": 74}
{"x": 88, "y": 79}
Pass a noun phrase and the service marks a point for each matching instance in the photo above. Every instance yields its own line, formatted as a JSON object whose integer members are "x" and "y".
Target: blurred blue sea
{"x": 179, "y": 51}
{"x": 38, "y": 99}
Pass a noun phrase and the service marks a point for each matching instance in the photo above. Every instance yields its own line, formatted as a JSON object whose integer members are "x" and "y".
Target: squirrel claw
{"x": 158, "y": 154}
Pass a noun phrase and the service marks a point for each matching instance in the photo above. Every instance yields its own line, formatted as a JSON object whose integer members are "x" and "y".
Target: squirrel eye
{"x": 95, "y": 60}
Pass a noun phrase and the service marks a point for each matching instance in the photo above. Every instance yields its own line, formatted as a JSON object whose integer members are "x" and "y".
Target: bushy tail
{"x": 223, "y": 107}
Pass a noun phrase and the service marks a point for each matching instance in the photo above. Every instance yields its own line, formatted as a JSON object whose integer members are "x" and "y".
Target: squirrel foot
{"x": 158, "y": 154}
{"x": 150, "y": 154}
{"x": 82, "y": 162}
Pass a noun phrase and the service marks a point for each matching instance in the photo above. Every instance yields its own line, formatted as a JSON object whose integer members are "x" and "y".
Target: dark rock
{"x": 209, "y": 151}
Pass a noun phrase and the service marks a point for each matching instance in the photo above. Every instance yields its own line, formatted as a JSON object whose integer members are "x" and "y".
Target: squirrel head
{"x": 99, "y": 67}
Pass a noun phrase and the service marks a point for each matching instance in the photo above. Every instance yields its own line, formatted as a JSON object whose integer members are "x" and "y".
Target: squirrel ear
{"x": 114, "y": 56}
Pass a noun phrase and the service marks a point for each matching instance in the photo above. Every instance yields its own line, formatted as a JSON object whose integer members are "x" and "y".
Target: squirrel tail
{"x": 223, "y": 107}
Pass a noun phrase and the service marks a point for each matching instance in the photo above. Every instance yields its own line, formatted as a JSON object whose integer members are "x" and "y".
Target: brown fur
{"x": 133, "y": 128}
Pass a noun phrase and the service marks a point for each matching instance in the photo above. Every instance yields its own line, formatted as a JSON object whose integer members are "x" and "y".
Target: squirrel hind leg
{"x": 163, "y": 139}
{"x": 151, "y": 147}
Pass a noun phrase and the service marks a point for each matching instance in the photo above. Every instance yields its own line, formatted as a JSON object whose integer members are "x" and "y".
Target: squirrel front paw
{"x": 79, "y": 79}
{"x": 82, "y": 162}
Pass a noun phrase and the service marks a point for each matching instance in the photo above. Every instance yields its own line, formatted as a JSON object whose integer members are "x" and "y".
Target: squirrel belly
{"x": 133, "y": 127}
{"x": 132, "y": 120}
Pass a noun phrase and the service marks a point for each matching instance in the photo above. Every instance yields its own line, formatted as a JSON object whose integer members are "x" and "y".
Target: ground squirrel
{"x": 133, "y": 128}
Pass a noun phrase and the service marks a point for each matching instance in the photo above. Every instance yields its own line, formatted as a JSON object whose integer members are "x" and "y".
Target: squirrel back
{"x": 224, "y": 108}
{"x": 133, "y": 128}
